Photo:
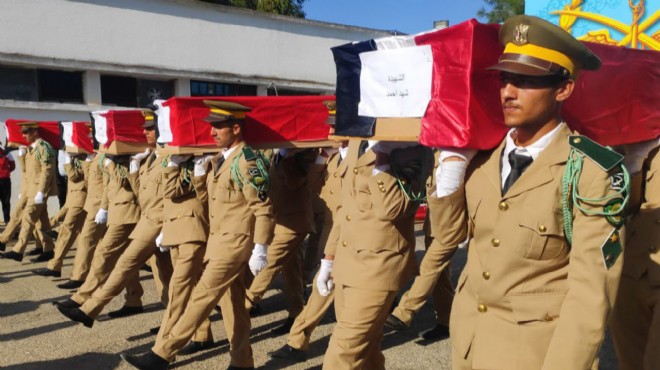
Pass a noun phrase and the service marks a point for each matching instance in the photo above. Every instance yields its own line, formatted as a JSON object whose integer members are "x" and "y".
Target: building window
{"x": 18, "y": 84}
{"x": 205, "y": 88}
{"x": 275, "y": 91}
{"x": 60, "y": 86}
{"x": 133, "y": 92}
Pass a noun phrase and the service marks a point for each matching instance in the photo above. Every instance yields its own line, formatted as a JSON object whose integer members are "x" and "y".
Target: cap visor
{"x": 519, "y": 68}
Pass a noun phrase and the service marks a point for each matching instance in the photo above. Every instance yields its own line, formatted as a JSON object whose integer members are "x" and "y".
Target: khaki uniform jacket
{"x": 233, "y": 210}
{"x": 76, "y": 187}
{"x": 150, "y": 196}
{"x": 23, "y": 187}
{"x": 525, "y": 299}
{"x": 642, "y": 253}
{"x": 291, "y": 196}
{"x": 94, "y": 176}
{"x": 375, "y": 224}
{"x": 40, "y": 171}
{"x": 120, "y": 193}
{"x": 331, "y": 195}
{"x": 186, "y": 218}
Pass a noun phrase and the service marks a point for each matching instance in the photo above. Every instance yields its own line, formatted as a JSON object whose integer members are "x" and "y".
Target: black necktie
{"x": 221, "y": 160}
{"x": 363, "y": 148}
{"x": 519, "y": 164}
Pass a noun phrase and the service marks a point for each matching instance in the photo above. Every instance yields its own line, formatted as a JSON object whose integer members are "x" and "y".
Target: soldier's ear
{"x": 564, "y": 90}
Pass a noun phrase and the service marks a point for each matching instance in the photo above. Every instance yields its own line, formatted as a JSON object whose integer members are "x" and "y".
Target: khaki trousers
{"x": 73, "y": 221}
{"x": 161, "y": 268}
{"x": 187, "y": 266}
{"x": 315, "y": 244}
{"x": 355, "y": 341}
{"x": 309, "y": 318}
{"x": 433, "y": 280}
{"x": 14, "y": 220}
{"x": 221, "y": 282}
{"x": 635, "y": 324}
{"x": 105, "y": 258}
{"x": 33, "y": 214}
{"x": 90, "y": 236}
{"x": 285, "y": 254}
{"x": 128, "y": 265}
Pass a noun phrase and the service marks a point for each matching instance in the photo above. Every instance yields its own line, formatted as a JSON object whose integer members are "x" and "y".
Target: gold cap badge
{"x": 520, "y": 34}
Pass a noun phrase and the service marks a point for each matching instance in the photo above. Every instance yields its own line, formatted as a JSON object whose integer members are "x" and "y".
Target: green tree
{"x": 500, "y": 10}
{"x": 293, "y": 8}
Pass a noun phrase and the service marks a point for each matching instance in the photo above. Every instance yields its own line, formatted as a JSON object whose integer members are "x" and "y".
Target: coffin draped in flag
{"x": 48, "y": 130}
{"x": 76, "y": 137}
{"x": 271, "y": 121}
{"x": 619, "y": 103}
{"x": 462, "y": 97}
{"x": 119, "y": 131}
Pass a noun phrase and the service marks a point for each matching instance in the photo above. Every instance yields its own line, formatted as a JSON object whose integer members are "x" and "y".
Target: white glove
{"x": 101, "y": 216}
{"x": 164, "y": 248}
{"x": 324, "y": 282}
{"x": 89, "y": 157}
{"x": 637, "y": 153}
{"x": 19, "y": 195}
{"x": 201, "y": 164}
{"x": 450, "y": 174}
{"x": 22, "y": 150}
{"x": 176, "y": 160}
{"x": 159, "y": 240}
{"x": 107, "y": 162}
{"x": 39, "y": 198}
{"x": 67, "y": 158}
{"x": 258, "y": 259}
{"x": 134, "y": 165}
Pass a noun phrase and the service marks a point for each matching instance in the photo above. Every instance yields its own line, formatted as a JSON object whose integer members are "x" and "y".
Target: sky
{"x": 407, "y": 16}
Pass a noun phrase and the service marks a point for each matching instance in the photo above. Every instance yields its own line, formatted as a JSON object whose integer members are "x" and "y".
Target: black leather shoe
{"x": 194, "y": 347}
{"x": 75, "y": 314}
{"x": 47, "y": 272}
{"x": 44, "y": 257}
{"x": 232, "y": 367}
{"x": 68, "y": 303}
{"x": 438, "y": 332}
{"x": 256, "y": 310}
{"x": 395, "y": 323}
{"x": 71, "y": 284}
{"x": 126, "y": 311}
{"x": 146, "y": 361}
{"x": 289, "y": 353}
{"x": 35, "y": 252}
{"x": 3, "y": 246}
{"x": 146, "y": 267}
{"x": 284, "y": 328}
{"x": 155, "y": 330}
{"x": 52, "y": 233}
{"x": 11, "y": 255}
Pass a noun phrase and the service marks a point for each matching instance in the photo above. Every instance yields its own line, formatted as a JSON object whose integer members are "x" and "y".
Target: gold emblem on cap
{"x": 520, "y": 34}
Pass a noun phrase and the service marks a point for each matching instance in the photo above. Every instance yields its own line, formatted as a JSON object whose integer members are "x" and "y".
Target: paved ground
{"x": 34, "y": 335}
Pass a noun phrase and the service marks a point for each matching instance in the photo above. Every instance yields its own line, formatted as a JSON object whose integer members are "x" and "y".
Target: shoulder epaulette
{"x": 249, "y": 154}
{"x": 604, "y": 157}
{"x": 48, "y": 152}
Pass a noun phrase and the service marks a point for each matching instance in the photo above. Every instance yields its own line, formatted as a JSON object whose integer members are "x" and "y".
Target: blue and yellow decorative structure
{"x": 630, "y": 23}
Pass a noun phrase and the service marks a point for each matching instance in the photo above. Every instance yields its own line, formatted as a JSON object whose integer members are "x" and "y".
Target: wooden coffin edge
{"x": 187, "y": 150}
{"x": 124, "y": 147}
{"x": 296, "y": 144}
{"x": 391, "y": 129}
{"x": 75, "y": 150}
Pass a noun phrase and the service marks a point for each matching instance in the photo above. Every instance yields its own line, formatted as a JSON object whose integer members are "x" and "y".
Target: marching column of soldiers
{"x": 560, "y": 234}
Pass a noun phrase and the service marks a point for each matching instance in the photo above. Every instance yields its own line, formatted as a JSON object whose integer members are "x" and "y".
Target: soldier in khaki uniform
{"x": 433, "y": 281}
{"x": 537, "y": 289}
{"x": 374, "y": 258}
{"x": 321, "y": 298}
{"x": 292, "y": 206}
{"x": 123, "y": 213}
{"x": 635, "y": 323}
{"x": 241, "y": 216}
{"x": 143, "y": 237}
{"x": 92, "y": 231}
{"x": 40, "y": 178}
{"x": 184, "y": 210}
{"x": 74, "y": 215}
{"x": 16, "y": 214}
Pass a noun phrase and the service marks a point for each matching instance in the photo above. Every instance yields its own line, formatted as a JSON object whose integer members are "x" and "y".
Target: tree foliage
{"x": 293, "y": 8}
{"x": 500, "y": 10}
